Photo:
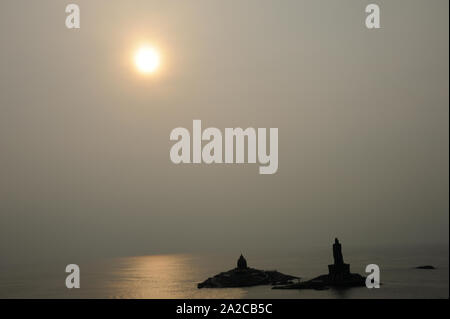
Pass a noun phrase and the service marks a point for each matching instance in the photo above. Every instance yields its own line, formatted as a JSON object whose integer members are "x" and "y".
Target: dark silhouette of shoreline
{"x": 339, "y": 275}
{"x": 244, "y": 276}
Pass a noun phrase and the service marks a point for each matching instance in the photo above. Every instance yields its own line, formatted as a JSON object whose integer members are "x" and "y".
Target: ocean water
{"x": 177, "y": 275}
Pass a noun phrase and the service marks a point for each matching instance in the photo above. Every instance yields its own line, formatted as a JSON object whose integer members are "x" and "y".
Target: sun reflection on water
{"x": 162, "y": 276}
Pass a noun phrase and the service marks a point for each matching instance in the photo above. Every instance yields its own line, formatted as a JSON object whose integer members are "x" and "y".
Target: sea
{"x": 177, "y": 275}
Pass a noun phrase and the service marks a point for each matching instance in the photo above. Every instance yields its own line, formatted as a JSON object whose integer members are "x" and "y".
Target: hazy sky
{"x": 84, "y": 139}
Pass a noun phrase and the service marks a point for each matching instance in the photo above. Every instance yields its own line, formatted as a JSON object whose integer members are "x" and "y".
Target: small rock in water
{"x": 425, "y": 267}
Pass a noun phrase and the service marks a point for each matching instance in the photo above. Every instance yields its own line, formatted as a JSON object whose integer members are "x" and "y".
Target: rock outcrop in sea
{"x": 244, "y": 276}
{"x": 339, "y": 275}
{"x": 425, "y": 267}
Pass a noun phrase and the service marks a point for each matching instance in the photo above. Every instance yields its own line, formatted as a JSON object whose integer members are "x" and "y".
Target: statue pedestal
{"x": 338, "y": 271}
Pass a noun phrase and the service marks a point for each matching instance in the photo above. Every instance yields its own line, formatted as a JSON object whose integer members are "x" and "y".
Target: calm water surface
{"x": 176, "y": 276}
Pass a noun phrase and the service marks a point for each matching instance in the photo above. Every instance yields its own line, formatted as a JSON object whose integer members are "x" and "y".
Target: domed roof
{"x": 242, "y": 263}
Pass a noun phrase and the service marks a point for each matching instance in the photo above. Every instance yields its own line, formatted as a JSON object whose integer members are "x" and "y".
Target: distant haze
{"x": 362, "y": 114}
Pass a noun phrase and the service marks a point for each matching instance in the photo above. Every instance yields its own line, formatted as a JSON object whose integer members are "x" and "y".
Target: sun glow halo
{"x": 147, "y": 59}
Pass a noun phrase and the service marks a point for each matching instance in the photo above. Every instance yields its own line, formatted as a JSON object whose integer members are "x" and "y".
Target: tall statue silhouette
{"x": 339, "y": 270}
{"x": 337, "y": 253}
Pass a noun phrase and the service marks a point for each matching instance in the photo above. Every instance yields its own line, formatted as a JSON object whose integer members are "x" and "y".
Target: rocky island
{"x": 339, "y": 275}
{"x": 243, "y": 276}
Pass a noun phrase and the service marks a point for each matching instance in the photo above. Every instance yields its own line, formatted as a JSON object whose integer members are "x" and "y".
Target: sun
{"x": 147, "y": 59}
